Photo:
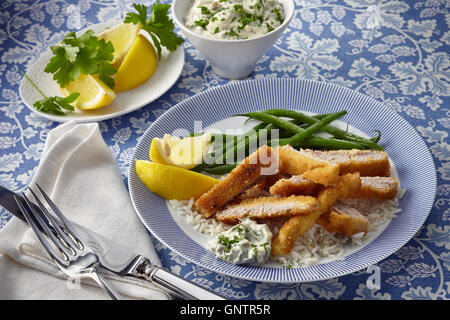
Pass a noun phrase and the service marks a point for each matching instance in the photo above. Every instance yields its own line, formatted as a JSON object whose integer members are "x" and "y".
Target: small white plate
{"x": 166, "y": 74}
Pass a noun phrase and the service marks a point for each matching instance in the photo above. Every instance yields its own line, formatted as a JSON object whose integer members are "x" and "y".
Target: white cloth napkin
{"x": 80, "y": 174}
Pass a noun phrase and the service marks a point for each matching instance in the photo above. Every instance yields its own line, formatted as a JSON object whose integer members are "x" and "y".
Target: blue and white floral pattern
{"x": 395, "y": 51}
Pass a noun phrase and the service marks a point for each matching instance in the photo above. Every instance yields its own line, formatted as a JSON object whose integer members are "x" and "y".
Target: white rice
{"x": 315, "y": 246}
{"x": 207, "y": 226}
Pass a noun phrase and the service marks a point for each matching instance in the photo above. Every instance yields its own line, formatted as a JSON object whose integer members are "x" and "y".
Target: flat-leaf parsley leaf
{"x": 159, "y": 26}
{"x": 55, "y": 105}
{"x": 85, "y": 54}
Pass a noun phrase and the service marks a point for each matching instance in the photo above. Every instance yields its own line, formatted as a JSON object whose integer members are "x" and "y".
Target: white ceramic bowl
{"x": 232, "y": 59}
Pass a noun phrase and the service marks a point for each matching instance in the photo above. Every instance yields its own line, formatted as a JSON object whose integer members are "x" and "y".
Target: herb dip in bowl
{"x": 233, "y": 45}
{"x": 234, "y": 19}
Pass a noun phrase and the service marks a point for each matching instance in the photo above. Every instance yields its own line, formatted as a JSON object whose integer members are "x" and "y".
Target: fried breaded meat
{"x": 367, "y": 162}
{"x": 344, "y": 219}
{"x": 296, "y": 226}
{"x": 371, "y": 187}
{"x": 297, "y": 162}
{"x": 301, "y": 189}
{"x": 262, "y": 161}
{"x": 267, "y": 208}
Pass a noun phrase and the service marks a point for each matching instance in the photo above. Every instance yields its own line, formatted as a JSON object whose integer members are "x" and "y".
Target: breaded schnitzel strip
{"x": 246, "y": 173}
{"x": 342, "y": 218}
{"x": 267, "y": 208}
{"x": 253, "y": 192}
{"x": 371, "y": 187}
{"x": 296, "y": 226}
{"x": 260, "y": 189}
{"x": 297, "y": 162}
{"x": 377, "y": 187}
{"x": 367, "y": 162}
{"x": 295, "y": 185}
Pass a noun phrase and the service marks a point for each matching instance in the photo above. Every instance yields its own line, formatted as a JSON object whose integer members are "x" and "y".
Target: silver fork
{"x": 74, "y": 257}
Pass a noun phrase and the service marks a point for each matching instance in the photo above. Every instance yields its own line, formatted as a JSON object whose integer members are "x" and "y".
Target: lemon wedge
{"x": 122, "y": 38}
{"x": 93, "y": 92}
{"x": 171, "y": 182}
{"x": 160, "y": 148}
{"x": 138, "y": 65}
{"x": 185, "y": 153}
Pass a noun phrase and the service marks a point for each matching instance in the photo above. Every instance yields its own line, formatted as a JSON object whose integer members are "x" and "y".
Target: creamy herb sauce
{"x": 245, "y": 243}
{"x": 234, "y": 19}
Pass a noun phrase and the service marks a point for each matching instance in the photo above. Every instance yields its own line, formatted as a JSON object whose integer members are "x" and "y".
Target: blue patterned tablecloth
{"x": 394, "y": 51}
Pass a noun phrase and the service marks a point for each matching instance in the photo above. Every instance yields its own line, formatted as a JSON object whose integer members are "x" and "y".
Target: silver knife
{"x": 119, "y": 260}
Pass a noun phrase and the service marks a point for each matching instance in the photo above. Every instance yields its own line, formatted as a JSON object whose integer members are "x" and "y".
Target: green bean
{"x": 306, "y": 133}
{"x": 247, "y": 139}
{"x": 285, "y": 133}
{"x": 338, "y": 133}
{"x": 243, "y": 143}
{"x": 320, "y": 116}
{"x": 305, "y": 140}
{"x": 377, "y": 138}
{"x": 226, "y": 168}
{"x": 320, "y": 142}
{"x": 213, "y": 135}
{"x": 231, "y": 146}
{"x": 200, "y": 167}
{"x": 280, "y": 123}
{"x": 296, "y": 132}
{"x": 195, "y": 134}
{"x": 331, "y": 144}
{"x": 284, "y": 124}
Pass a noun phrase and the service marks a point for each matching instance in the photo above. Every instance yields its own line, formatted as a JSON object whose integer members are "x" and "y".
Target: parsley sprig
{"x": 55, "y": 105}
{"x": 85, "y": 54}
{"x": 159, "y": 26}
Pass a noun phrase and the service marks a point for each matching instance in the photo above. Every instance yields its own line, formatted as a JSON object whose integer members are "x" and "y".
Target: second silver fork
{"x": 73, "y": 256}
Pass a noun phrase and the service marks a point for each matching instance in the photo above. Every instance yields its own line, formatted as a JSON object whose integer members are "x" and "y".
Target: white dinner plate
{"x": 411, "y": 162}
{"x": 166, "y": 74}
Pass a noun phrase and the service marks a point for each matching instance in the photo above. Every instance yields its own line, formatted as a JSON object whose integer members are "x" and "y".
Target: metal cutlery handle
{"x": 182, "y": 288}
{"x": 172, "y": 283}
{"x": 109, "y": 289}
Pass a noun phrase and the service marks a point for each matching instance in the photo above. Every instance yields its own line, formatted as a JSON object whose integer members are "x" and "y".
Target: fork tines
{"x": 58, "y": 229}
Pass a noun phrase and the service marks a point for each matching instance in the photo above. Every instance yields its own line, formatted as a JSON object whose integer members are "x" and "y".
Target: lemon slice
{"x": 93, "y": 92}
{"x": 171, "y": 182}
{"x": 185, "y": 153}
{"x": 138, "y": 65}
{"x": 122, "y": 38}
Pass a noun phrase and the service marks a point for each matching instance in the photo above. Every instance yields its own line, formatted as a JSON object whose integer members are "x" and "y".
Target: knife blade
{"x": 117, "y": 259}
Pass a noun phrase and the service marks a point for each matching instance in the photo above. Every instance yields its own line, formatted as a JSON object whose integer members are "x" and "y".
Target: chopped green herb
{"x": 227, "y": 242}
{"x": 201, "y": 23}
{"x": 265, "y": 247}
{"x": 241, "y": 228}
{"x": 278, "y": 15}
{"x": 233, "y": 33}
{"x": 205, "y": 10}
{"x": 255, "y": 250}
